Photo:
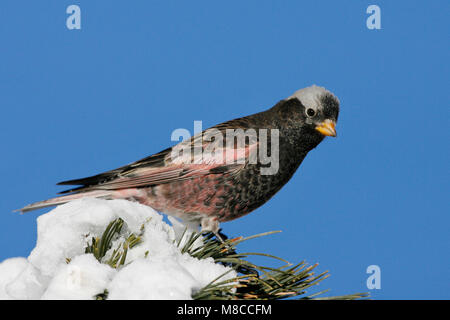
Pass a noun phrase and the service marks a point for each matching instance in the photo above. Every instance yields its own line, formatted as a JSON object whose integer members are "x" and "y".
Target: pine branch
{"x": 100, "y": 246}
{"x": 253, "y": 281}
{"x": 284, "y": 282}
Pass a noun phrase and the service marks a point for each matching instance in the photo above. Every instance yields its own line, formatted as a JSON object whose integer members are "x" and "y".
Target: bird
{"x": 223, "y": 181}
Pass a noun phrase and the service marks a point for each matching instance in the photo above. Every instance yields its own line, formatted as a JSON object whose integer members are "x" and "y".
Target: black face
{"x": 326, "y": 107}
{"x": 304, "y": 120}
{"x": 330, "y": 106}
{"x": 312, "y": 113}
{"x": 319, "y": 116}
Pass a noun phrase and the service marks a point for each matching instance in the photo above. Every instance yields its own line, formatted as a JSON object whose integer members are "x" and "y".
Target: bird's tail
{"x": 103, "y": 194}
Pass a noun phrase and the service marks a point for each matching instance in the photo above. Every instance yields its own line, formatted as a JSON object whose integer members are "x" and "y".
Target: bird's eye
{"x": 310, "y": 112}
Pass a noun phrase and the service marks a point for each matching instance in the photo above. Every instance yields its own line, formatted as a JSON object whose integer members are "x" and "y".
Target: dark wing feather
{"x": 155, "y": 160}
{"x": 157, "y": 168}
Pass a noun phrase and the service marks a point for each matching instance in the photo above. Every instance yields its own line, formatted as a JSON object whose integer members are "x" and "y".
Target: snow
{"x": 10, "y": 269}
{"x": 59, "y": 268}
{"x": 82, "y": 278}
{"x": 128, "y": 285}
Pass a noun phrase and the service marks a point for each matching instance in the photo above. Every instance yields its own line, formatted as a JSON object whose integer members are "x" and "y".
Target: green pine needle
{"x": 252, "y": 282}
{"x": 100, "y": 246}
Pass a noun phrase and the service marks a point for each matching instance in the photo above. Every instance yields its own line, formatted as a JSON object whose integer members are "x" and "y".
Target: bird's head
{"x": 317, "y": 108}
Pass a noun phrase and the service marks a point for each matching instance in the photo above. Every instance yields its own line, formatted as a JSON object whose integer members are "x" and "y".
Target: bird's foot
{"x": 212, "y": 225}
{"x": 222, "y": 237}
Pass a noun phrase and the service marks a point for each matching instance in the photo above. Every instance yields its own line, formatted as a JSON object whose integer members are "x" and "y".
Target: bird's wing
{"x": 156, "y": 160}
{"x": 203, "y": 154}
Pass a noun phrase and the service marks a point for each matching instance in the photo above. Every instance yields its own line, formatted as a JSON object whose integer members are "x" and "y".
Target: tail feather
{"x": 104, "y": 194}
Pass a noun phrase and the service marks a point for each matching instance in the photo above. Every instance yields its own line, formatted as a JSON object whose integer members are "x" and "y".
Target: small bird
{"x": 223, "y": 183}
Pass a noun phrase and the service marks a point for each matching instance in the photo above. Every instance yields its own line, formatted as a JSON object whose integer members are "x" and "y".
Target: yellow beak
{"x": 327, "y": 128}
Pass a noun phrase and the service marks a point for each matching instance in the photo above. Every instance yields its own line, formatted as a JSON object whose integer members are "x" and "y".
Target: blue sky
{"x": 78, "y": 102}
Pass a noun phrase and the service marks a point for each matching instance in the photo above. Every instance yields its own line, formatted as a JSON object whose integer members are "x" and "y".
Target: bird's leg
{"x": 218, "y": 236}
{"x": 212, "y": 225}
